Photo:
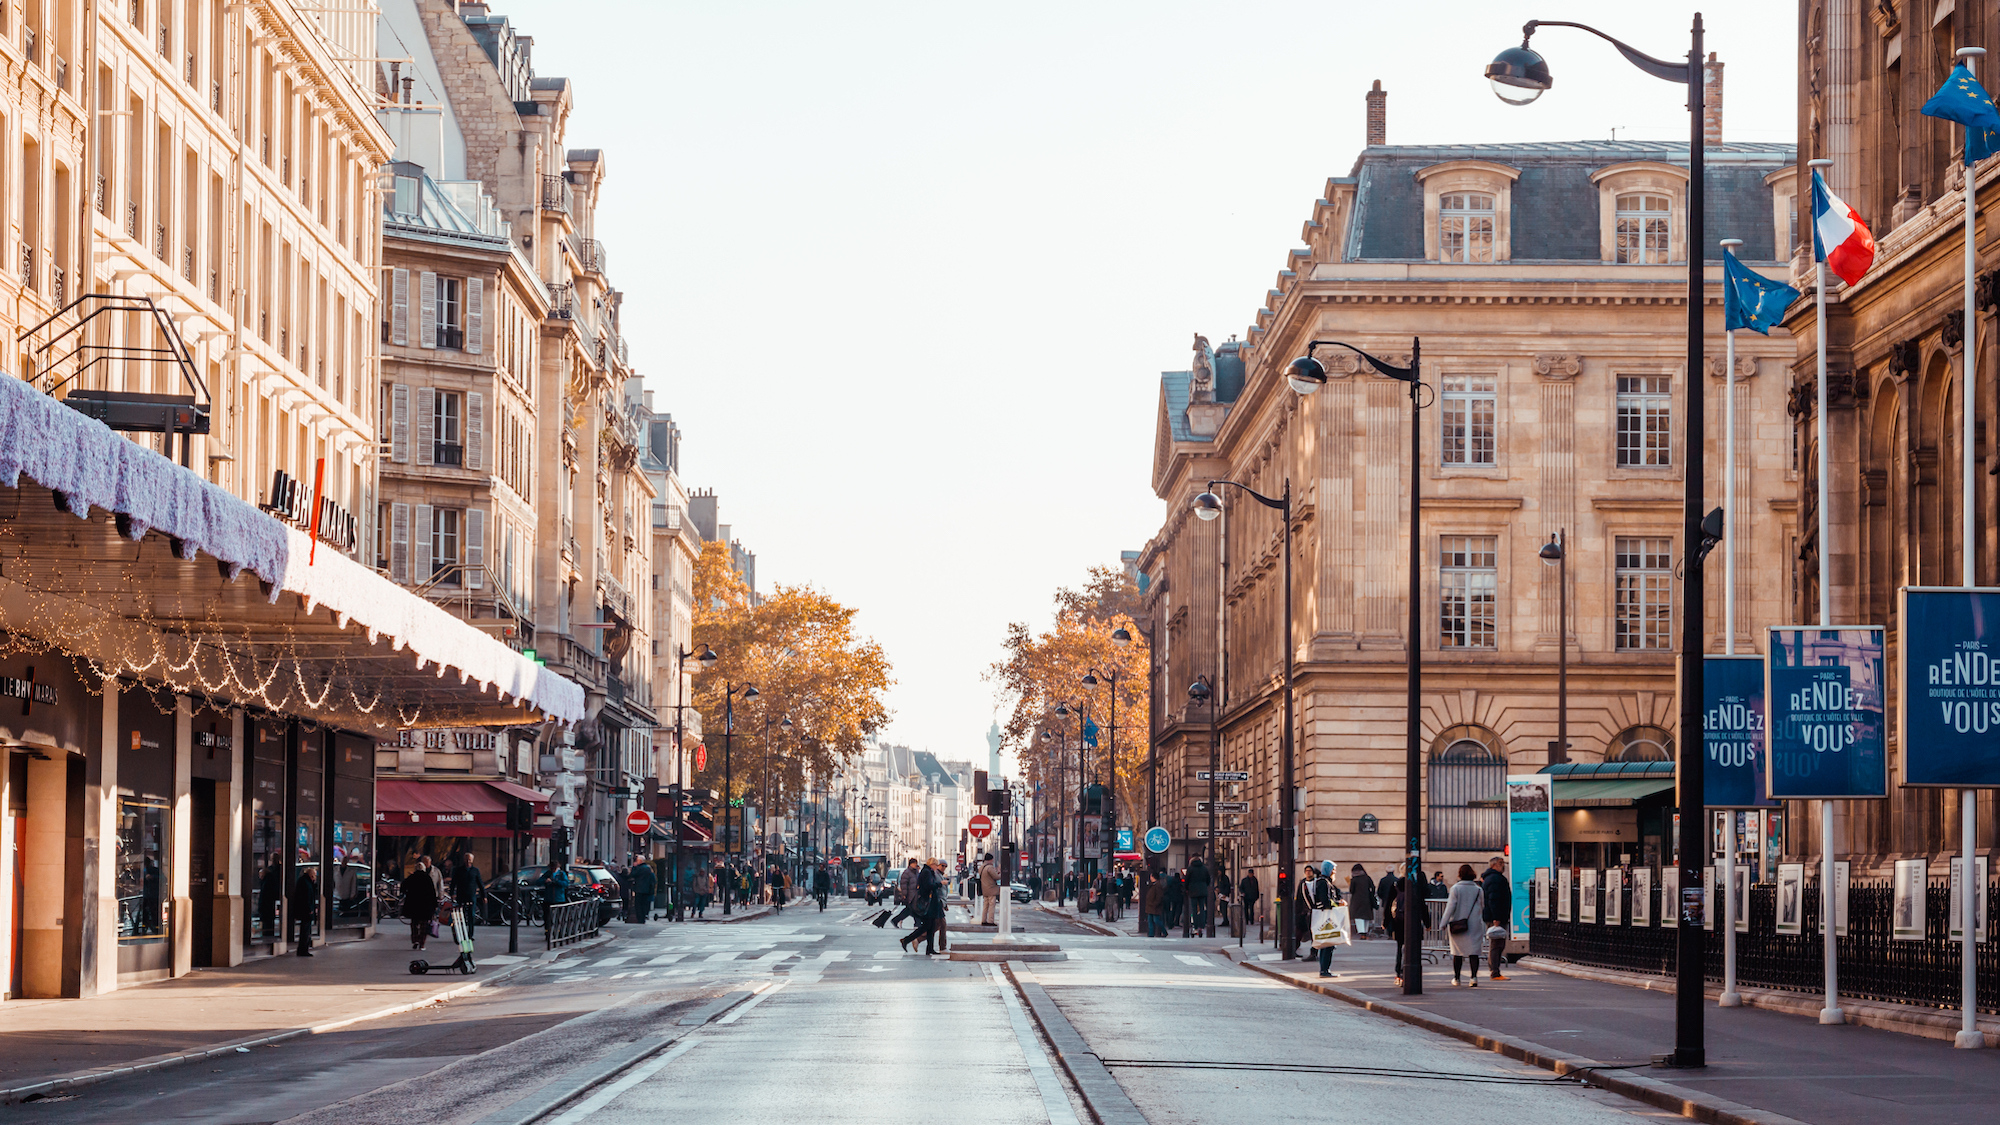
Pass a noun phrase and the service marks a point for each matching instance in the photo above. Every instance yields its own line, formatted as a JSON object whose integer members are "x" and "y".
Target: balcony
{"x": 447, "y": 453}
{"x": 589, "y": 252}
{"x": 450, "y": 336}
{"x": 584, "y": 666}
{"x": 562, "y": 301}
{"x": 556, "y": 194}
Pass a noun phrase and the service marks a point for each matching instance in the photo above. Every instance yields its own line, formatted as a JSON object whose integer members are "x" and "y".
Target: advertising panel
{"x": 1529, "y": 841}
{"x": 1979, "y": 927}
{"x": 1614, "y": 883}
{"x": 1949, "y": 687}
{"x": 1791, "y": 897}
{"x": 1824, "y": 692}
{"x": 1642, "y": 896}
{"x": 1732, "y": 726}
{"x": 1542, "y": 893}
{"x": 1911, "y": 886}
{"x": 1587, "y": 901}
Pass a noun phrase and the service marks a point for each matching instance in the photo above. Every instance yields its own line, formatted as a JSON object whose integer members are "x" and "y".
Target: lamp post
{"x": 1553, "y": 555}
{"x": 729, "y": 694}
{"x": 1064, "y": 709}
{"x": 1200, "y": 692}
{"x": 1306, "y": 375}
{"x": 1121, "y": 637}
{"x": 707, "y": 656}
{"x": 1062, "y": 748}
{"x": 1519, "y": 75}
{"x": 1208, "y": 506}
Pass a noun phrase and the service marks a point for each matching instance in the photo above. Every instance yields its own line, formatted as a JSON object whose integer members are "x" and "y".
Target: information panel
{"x": 1824, "y": 691}
{"x": 1530, "y": 840}
{"x": 1733, "y": 732}
{"x": 1949, "y": 687}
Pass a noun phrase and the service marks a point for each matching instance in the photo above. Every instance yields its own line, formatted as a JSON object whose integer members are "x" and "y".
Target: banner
{"x": 1824, "y": 693}
{"x": 1530, "y": 841}
{"x": 1949, "y": 687}
{"x": 1642, "y": 896}
{"x": 1732, "y": 712}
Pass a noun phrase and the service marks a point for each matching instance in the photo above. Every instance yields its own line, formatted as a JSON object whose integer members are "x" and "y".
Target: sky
{"x": 906, "y": 274}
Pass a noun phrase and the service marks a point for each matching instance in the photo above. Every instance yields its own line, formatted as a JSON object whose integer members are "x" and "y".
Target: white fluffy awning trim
{"x": 89, "y": 466}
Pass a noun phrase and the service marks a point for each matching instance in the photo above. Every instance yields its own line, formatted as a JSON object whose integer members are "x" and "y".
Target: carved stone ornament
{"x": 1904, "y": 356}
{"x": 1746, "y": 367}
{"x": 1986, "y": 289}
{"x": 1952, "y": 329}
{"x": 1558, "y": 365}
{"x": 1202, "y": 387}
{"x": 1840, "y": 388}
{"x": 1886, "y": 20}
{"x": 1799, "y": 401}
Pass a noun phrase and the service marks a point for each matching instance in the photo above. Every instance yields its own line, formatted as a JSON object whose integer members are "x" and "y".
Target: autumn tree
{"x": 799, "y": 649}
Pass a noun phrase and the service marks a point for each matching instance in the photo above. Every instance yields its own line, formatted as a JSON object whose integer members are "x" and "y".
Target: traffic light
{"x": 1284, "y": 891}
{"x": 520, "y": 816}
{"x": 559, "y": 846}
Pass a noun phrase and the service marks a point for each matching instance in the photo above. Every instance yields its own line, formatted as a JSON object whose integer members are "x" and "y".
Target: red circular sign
{"x": 701, "y": 755}
{"x": 981, "y": 826}
{"x": 638, "y": 822}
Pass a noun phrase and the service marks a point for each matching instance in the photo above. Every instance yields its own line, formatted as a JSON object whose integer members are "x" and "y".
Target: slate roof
{"x": 436, "y": 215}
{"x": 1176, "y": 385}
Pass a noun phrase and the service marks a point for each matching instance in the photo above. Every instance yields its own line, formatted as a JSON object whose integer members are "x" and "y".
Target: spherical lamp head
{"x": 1090, "y": 679}
{"x": 1121, "y": 636}
{"x": 1208, "y": 505}
{"x": 1198, "y": 691}
{"x": 1306, "y": 374}
{"x": 708, "y": 656}
{"x": 1062, "y": 709}
{"x": 1552, "y": 552}
{"x": 1519, "y": 75}
{"x": 750, "y": 691}
{"x": 785, "y": 724}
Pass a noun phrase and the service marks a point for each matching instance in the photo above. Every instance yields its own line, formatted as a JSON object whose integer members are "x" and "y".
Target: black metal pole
{"x": 1288, "y": 938}
{"x": 514, "y": 907}
{"x": 1413, "y": 884}
{"x": 1689, "y": 1038}
{"x": 1562, "y": 646}
{"x": 732, "y": 825}
{"x": 1214, "y": 791}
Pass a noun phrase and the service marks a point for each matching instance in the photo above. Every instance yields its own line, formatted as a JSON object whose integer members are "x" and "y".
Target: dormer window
{"x": 404, "y": 202}
{"x": 1642, "y": 231}
{"x": 1465, "y": 227}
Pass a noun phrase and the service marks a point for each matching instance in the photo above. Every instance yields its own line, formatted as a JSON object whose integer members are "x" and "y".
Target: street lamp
{"x": 1090, "y": 679}
{"x": 1306, "y": 375}
{"x": 1553, "y": 555}
{"x": 707, "y": 658}
{"x": 729, "y": 694}
{"x": 1062, "y": 748}
{"x": 1208, "y": 506}
{"x": 1518, "y": 75}
{"x": 1199, "y": 693}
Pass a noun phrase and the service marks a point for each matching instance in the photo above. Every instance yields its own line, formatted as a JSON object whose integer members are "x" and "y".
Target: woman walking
{"x": 1462, "y": 926}
{"x": 1361, "y": 900}
{"x": 926, "y": 911}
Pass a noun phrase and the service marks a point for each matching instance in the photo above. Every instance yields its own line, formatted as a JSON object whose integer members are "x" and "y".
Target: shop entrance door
{"x": 18, "y": 845}
{"x": 201, "y": 870}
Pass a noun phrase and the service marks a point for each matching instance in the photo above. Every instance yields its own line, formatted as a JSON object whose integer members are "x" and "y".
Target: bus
{"x": 857, "y": 869}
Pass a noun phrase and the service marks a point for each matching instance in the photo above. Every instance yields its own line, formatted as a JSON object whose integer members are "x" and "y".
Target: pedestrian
{"x": 1302, "y": 914}
{"x": 1199, "y": 887}
{"x": 1438, "y": 888}
{"x": 1498, "y": 913}
{"x": 1361, "y": 900}
{"x": 644, "y": 884}
{"x": 1152, "y": 903}
{"x": 1462, "y": 926}
{"x": 1251, "y": 892}
{"x": 1174, "y": 898}
{"x": 1421, "y": 917}
{"x": 704, "y": 889}
{"x": 989, "y": 889}
{"x": 923, "y": 924}
{"x": 270, "y": 891}
{"x": 421, "y": 896}
{"x": 906, "y": 895}
{"x": 555, "y": 886}
{"x": 465, "y": 887}
{"x": 305, "y": 907}
{"x": 1321, "y": 894}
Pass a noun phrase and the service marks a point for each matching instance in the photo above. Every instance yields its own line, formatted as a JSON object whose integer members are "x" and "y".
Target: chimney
{"x": 1378, "y": 115}
{"x": 1711, "y": 101}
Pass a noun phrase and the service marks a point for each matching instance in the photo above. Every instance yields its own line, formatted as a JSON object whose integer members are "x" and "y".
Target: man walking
{"x": 1498, "y": 913}
{"x": 465, "y": 887}
{"x": 644, "y": 884}
{"x": 305, "y": 907}
{"x": 1250, "y": 891}
{"x": 1361, "y": 900}
{"x": 1198, "y": 888}
{"x": 989, "y": 888}
{"x": 1152, "y": 903}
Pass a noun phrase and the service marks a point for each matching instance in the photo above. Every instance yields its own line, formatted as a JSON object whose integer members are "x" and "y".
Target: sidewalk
{"x": 1763, "y": 1065}
{"x": 213, "y": 1010}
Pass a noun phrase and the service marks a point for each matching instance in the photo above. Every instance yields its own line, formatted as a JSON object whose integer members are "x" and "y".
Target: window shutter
{"x": 427, "y": 311}
{"x": 399, "y": 314}
{"x": 399, "y": 543}
{"x": 426, "y": 425}
{"x": 475, "y": 315}
{"x": 475, "y": 430}
{"x": 475, "y": 548}
{"x": 425, "y": 549}
{"x": 399, "y": 423}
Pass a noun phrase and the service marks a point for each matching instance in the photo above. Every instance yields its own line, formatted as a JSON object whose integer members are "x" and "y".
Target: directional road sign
{"x": 1223, "y": 806}
{"x": 638, "y": 822}
{"x": 1222, "y": 775}
{"x": 1223, "y": 833}
{"x": 981, "y": 826}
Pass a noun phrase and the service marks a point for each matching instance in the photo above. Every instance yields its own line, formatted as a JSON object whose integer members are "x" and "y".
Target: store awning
{"x": 406, "y": 806}
{"x": 532, "y": 796}
{"x": 1583, "y": 785}
{"x": 318, "y": 636}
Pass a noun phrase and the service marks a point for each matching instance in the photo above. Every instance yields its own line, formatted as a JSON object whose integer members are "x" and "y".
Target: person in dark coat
{"x": 305, "y": 908}
{"x": 1302, "y": 913}
{"x": 420, "y": 901}
{"x": 270, "y": 889}
{"x": 1152, "y": 903}
{"x": 1361, "y": 900}
{"x": 466, "y": 884}
{"x": 1423, "y": 913}
{"x": 1199, "y": 887}
{"x": 1172, "y": 896}
{"x": 1251, "y": 892}
{"x": 644, "y": 883}
{"x": 926, "y": 911}
{"x": 1499, "y": 909}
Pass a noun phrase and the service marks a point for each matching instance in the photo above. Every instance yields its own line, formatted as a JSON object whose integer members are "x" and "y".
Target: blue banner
{"x": 1530, "y": 840}
{"x": 1950, "y": 687}
{"x": 1732, "y": 709}
{"x": 1824, "y": 697}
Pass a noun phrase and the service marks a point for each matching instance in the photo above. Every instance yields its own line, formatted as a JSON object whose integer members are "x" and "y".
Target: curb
{"x": 159, "y": 1062}
{"x": 1900, "y": 1018}
{"x": 1097, "y": 927}
{"x": 1692, "y": 1104}
{"x": 1102, "y": 1095}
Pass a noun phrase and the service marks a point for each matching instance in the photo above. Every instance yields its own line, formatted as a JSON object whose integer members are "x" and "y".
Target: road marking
{"x": 1131, "y": 958}
{"x": 763, "y": 995}
{"x": 632, "y": 1078}
{"x": 1054, "y": 1102}
{"x": 666, "y": 959}
{"x": 572, "y": 978}
{"x": 632, "y": 973}
{"x": 876, "y": 968}
{"x": 1194, "y": 959}
{"x": 888, "y": 955}
{"x": 607, "y": 962}
{"x": 502, "y": 959}
{"x": 729, "y": 956}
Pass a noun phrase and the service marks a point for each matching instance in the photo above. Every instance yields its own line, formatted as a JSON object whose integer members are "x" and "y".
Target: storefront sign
{"x": 1949, "y": 687}
{"x": 1824, "y": 694}
{"x": 1530, "y": 844}
{"x": 461, "y": 740}
{"x": 28, "y": 691}
{"x": 1733, "y": 732}
{"x": 291, "y": 500}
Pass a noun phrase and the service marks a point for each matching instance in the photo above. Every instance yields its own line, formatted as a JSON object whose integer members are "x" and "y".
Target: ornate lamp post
{"x": 707, "y": 656}
{"x": 729, "y": 694}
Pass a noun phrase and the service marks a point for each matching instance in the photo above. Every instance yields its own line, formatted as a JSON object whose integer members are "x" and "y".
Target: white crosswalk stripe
{"x": 1193, "y": 959}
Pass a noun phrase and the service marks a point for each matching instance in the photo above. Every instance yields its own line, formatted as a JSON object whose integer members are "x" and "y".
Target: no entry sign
{"x": 981, "y": 826}
{"x": 638, "y": 822}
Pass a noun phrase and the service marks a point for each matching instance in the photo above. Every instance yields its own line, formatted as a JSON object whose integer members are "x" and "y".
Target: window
{"x": 1642, "y": 228}
{"x": 1644, "y": 613}
{"x": 1645, "y": 421}
{"x": 406, "y": 196}
{"x": 1468, "y": 791}
{"x": 1469, "y": 403}
{"x": 444, "y": 544}
{"x": 142, "y": 875}
{"x": 1467, "y": 587}
{"x": 450, "y": 333}
{"x": 1465, "y": 227}
{"x": 445, "y": 415}
{"x": 1641, "y": 744}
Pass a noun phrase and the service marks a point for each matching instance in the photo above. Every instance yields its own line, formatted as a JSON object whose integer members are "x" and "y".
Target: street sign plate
{"x": 638, "y": 822}
{"x": 1223, "y": 833}
{"x": 700, "y": 756}
{"x": 1223, "y": 806}
{"x": 1222, "y": 775}
{"x": 1158, "y": 840}
{"x": 981, "y": 826}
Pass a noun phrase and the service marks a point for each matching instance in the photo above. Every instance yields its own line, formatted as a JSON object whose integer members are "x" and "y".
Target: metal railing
{"x": 571, "y": 922}
{"x": 562, "y": 301}
{"x": 588, "y": 665}
{"x": 556, "y": 195}
{"x": 589, "y": 252}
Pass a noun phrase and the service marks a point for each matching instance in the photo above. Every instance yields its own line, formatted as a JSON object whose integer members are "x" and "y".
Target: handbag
{"x": 1460, "y": 926}
{"x": 1330, "y": 928}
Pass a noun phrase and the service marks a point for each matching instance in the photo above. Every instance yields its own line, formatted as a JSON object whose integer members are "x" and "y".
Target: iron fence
{"x": 1873, "y": 964}
{"x": 570, "y": 922}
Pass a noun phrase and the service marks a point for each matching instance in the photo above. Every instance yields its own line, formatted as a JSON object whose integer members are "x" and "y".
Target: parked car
{"x": 597, "y": 882}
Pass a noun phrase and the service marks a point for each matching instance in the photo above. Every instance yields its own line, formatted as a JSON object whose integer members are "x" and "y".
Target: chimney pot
{"x": 1378, "y": 115}
{"x": 1711, "y": 101}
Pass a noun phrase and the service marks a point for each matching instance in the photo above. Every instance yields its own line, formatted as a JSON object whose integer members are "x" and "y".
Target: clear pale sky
{"x": 906, "y": 274}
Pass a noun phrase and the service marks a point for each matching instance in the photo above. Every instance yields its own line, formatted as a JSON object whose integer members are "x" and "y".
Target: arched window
{"x": 1465, "y": 227}
{"x": 1641, "y": 744}
{"x": 1468, "y": 791}
{"x": 1642, "y": 228}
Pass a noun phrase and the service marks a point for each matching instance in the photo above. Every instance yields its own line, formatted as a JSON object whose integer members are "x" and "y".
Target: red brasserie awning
{"x": 409, "y": 807}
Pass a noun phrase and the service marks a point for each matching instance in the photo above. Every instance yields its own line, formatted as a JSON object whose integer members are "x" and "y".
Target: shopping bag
{"x": 1330, "y": 928}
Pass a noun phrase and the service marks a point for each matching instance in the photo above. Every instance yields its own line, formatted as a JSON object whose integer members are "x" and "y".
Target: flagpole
{"x": 1968, "y": 799}
{"x": 1831, "y": 1013}
{"x": 1730, "y": 998}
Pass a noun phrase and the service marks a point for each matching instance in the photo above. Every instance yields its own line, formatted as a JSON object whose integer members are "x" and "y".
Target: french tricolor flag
{"x": 1840, "y": 238}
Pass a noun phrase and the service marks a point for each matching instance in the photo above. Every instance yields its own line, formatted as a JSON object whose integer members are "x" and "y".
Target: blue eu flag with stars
{"x": 1751, "y": 300}
{"x": 1964, "y": 100}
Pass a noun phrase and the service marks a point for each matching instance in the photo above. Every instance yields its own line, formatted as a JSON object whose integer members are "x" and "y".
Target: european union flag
{"x": 1090, "y": 733}
{"x": 1964, "y": 100}
{"x": 1751, "y": 300}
